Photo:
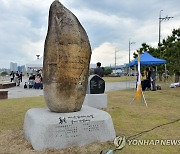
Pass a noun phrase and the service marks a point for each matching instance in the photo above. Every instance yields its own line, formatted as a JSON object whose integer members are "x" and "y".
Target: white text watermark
{"x": 120, "y": 142}
{"x": 162, "y": 142}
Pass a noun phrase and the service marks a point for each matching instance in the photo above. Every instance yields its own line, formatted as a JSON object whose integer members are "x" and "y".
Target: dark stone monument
{"x": 96, "y": 85}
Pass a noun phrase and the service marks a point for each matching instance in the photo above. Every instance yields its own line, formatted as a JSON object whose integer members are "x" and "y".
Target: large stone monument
{"x": 67, "y": 55}
{"x": 65, "y": 69}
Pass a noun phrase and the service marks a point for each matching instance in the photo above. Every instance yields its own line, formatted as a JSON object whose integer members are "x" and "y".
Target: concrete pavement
{"x": 111, "y": 86}
{"x": 19, "y": 92}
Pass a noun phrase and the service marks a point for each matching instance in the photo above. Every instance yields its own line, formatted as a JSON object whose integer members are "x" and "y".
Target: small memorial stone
{"x": 96, "y": 85}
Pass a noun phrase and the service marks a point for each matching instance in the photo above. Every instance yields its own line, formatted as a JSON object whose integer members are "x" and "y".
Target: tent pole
{"x": 126, "y": 76}
{"x": 129, "y": 77}
{"x": 135, "y": 73}
{"x": 165, "y": 73}
{"x": 156, "y": 72}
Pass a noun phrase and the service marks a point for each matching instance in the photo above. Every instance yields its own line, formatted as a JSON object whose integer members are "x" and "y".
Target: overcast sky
{"x": 109, "y": 24}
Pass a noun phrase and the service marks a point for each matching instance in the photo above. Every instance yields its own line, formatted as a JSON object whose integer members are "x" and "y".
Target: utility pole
{"x": 115, "y": 59}
{"x": 130, "y": 49}
{"x": 160, "y": 20}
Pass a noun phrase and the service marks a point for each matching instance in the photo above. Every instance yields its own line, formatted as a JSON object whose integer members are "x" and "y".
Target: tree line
{"x": 169, "y": 50}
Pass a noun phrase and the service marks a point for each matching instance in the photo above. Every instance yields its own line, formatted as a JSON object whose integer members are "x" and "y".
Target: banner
{"x": 138, "y": 92}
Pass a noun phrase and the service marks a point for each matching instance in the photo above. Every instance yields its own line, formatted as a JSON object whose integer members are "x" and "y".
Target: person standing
{"x": 153, "y": 78}
{"x": 20, "y": 76}
{"x": 17, "y": 79}
{"x": 148, "y": 74}
{"x": 12, "y": 76}
{"x": 99, "y": 70}
{"x": 37, "y": 84}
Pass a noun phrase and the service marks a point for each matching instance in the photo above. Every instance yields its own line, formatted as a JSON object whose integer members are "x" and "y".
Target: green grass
{"x": 163, "y": 107}
{"x": 12, "y": 111}
{"x": 119, "y": 79}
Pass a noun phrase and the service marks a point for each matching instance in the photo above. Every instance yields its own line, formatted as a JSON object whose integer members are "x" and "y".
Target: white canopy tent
{"x": 36, "y": 64}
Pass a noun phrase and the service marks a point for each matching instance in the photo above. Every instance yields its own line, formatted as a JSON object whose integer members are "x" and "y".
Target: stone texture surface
{"x": 49, "y": 130}
{"x": 67, "y": 55}
{"x": 98, "y": 101}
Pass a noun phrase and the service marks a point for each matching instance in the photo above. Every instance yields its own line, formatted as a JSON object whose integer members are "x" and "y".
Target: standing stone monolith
{"x": 67, "y": 55}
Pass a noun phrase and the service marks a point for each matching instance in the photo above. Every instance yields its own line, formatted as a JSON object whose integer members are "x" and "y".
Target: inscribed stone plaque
{"x": 96, "y": 85}
{"x": 50, "y": 130}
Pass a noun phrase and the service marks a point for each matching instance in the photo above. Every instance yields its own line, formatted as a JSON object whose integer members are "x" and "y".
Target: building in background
{"x": 22, "y": 68}
{"x": 13, "y": 66}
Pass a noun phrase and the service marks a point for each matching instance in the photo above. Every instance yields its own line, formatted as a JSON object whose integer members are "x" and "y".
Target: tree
{"x": 107, "y": 71}
{"x": 4, "y": 73}
{"x": 145, "y": 47}
{"x": 169, "y": 50}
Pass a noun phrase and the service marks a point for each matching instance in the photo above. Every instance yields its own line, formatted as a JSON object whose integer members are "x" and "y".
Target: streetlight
{"x": 160, "y": 20}
{"x": 130, "y": 48}
{"x": 37, "y": 56}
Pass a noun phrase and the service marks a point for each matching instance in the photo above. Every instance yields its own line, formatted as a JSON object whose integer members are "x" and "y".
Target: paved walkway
{"x": 18, "y": 92}
{"x": 111, "y": 86}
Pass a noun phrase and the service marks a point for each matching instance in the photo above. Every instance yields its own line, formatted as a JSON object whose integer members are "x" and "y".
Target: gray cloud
{"x": 23, "y": 25}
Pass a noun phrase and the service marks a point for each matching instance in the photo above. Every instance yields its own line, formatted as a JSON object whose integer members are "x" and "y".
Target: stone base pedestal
{"x": 98, "y": 101}
{"x": 49, "y": 130}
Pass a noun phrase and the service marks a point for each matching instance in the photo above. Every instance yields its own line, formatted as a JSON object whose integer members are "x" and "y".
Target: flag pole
{"x": 139, "y": 92}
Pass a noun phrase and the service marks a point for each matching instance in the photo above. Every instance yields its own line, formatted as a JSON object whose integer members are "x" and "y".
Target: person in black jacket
{"x": 99, "y": 70}
{"x": 20, "y": 76}
{"x": 148, "y": 74}
{"x": 12, "y": 76}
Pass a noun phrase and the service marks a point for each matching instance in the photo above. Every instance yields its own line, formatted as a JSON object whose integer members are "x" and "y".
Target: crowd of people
{"x": 34, "y": 81}
{"x": 16, "y": 77}
{"x": 148, "y": 83}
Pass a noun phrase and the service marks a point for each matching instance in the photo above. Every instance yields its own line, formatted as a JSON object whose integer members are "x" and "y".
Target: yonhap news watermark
{"x": 162, "y": 142}
{"x": 121, "y": 142}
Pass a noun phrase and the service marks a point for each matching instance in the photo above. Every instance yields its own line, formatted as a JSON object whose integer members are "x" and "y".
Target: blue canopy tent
{"x": 146, "y": 59}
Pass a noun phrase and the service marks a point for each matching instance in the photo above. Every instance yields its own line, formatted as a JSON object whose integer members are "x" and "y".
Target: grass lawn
{"x": 119, "y": 79}
{"x": 163, "y": 107}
